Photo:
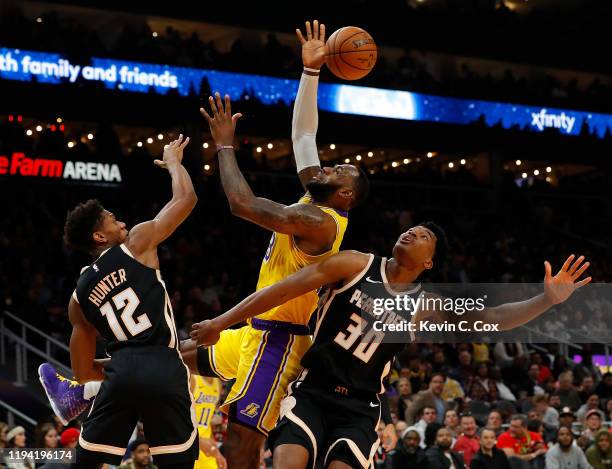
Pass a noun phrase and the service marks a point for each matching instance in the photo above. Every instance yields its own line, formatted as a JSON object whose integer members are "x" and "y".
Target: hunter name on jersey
{"x": 104, "y": 286}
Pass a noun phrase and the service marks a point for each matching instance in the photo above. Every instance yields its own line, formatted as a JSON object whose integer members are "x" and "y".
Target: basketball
{"x": 350, "y": 53}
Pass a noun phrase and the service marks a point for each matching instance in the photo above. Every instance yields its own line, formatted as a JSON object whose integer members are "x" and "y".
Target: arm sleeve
{"x": 305, "y": 122}
{"x": 385, "y": 411}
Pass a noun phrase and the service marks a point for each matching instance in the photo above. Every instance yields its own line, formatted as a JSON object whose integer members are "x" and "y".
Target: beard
{"x": 321, "y": 191}
{"x": 444, "y": 445}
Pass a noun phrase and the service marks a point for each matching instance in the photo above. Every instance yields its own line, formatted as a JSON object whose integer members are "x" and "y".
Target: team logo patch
{"x": 251, "y": 410}
{"x": 95, "y": 267}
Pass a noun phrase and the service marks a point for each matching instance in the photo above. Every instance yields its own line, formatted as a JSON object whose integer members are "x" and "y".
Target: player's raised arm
{"x": 333, "y": 270}
{"x": 303, "y": 220}
{"x": 305, "y": 117}
{"x": 83, "y": 346}
{"x": 148, "y": 235}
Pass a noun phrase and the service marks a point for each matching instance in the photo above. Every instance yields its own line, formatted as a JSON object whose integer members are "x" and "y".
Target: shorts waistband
{"x": 339, "y": 389}
{"x": 267, "y": 325}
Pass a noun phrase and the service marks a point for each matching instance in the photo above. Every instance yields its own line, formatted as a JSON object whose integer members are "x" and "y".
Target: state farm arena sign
{"x": 19, "y": 165}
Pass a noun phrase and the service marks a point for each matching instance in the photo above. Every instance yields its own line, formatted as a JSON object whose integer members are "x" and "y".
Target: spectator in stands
{"x": 604, "y": 389}
{"x": 140, "y": 456}
{"x": 599, "y": 455}
{"x": 480, "y": 352}
{"x": 567, "y": 417}
{"x": 586, "y": 388}
{"x": 439, "y": 455}
{"x": 70, "y": 438}
{"x": 568, "y": 395}
{"x": 594, "y": 423}
{"x": 534, "y": 375}
{"x": 504, "y": 391}
{"x": 480, "y": 387}
{"x": 520, "y": 443}
{"x": 408, "y": 453}
{"x": 400, "y": 426}
{"x": 550, "y": 415}
{"x": 505, "y": 353}
{"x": 46, "y": 436}
{"x": 380, "y": 456}
{"x": 432, "y": 398}
{"x": 404, "y": 389}
{"x": 592, "y": 403}
{"x": 429, "y": 415}
{"x": 3, "y": 432}
{"x": 16, "y": 439}
{"x": 494, "y": 422}
{"x": 545, "y": 372}
{"x": 464, "y": 370}
{"x": 488, "y": 456}
{"x": 468, "y": 442}
{"x": 451, "y": 421}
{"x": 564, "y": 454}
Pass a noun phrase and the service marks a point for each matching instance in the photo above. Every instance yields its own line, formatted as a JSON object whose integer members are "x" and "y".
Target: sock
{"x": 91, "y": 389}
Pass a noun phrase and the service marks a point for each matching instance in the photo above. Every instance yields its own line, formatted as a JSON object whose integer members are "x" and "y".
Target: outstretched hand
{"x": 222, "y": 123}
{"x": 173, "y": 152}
{"x": 560, "y": 287}
{"x": 313, "y": 47}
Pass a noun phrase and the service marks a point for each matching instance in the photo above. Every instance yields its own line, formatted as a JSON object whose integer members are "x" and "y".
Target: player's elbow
{"x": 239, "y": 205}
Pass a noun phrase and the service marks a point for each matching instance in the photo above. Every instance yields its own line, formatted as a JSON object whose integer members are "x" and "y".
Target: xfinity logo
{"x": 18, "y": 164}
{"x": 542, "y": 120}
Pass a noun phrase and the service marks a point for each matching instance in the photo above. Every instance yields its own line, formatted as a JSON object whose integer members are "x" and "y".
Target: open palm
{"x": 560, "y": 287}
{"x": 313, "y": 47}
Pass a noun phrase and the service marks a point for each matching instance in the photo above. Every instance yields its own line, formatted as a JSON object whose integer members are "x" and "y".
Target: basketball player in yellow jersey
{"x": 264, "y": 356}
{"x": 206, "y": 394}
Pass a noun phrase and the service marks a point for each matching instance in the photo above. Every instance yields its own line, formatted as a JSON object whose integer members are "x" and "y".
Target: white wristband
{"x": 312, "y": 70}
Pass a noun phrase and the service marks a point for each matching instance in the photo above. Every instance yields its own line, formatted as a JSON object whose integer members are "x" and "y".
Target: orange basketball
{"x": 350, "y": 53}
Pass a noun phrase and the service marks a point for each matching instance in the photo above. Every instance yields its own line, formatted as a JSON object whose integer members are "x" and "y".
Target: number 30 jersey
{"x": 126, "y": 301}
{"x": 349, "y": 349}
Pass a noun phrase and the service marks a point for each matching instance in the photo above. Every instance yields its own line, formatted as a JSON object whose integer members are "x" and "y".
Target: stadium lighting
{"x": 358, "y": 157}
{"x": 90, "y": 136}
{"x": 149, "y": 140}
{"x": 347, "y": 160}
{"x": 59, "y": 120}
{"x": 429, "y": 154}
{"x": 451, "y": 165}
{"x": 332, "y": 147}
{"x": 160, "y": 136}
{"x": 518, "y": 162}
{"x": 536, "y": 172}
{"x": 154, "y": 34}
{"x": 205, "y": 145}
{"x": 206, "y": 167}
{"x": 39, "y": 128}
{"x": 462, "y": 161}
{"x": 394, "y": 164}
{"x": 258, "y": 149}
{"x": 70, "y": 144}
{"x": 39, "y": 20}
{"x": 548, "y": 169}
{"x": 406, "y": 160}
{"x": 370, "y": 154}
{"x": 524, "y": 175}
{"x": 139, "y": 144}
{"x": 29, "y": 132}
{"x": 548, "y": 179}
{"x": 270, "y": 146}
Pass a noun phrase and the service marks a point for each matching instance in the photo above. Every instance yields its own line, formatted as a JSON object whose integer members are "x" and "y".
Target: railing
{"x": 15, "y": 332}
{"x": 14, "y": 416}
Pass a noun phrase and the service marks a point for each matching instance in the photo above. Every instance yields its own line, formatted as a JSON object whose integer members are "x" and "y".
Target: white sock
{"x": 91, "y": 389}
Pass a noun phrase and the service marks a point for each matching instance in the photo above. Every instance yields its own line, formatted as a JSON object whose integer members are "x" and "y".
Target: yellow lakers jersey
{"x": 284, "y": 258}
{"x": 206, "y": 395}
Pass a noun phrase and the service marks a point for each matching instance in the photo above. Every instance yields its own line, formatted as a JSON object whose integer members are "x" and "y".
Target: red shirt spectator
{"x": 468, "y": 443}
{"x": 519, "y": 441}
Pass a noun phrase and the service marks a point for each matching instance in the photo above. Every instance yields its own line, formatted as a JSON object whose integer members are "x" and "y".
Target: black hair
{"x": 361, "y": 186}
{"x": 438, "y": 373}
{"x": 431, "y": 432}
{"x": 136, "y": 443}
{"x": 568, "y": 427}
{"x": 80, "y": 224}
{"x": 442, "y": 247}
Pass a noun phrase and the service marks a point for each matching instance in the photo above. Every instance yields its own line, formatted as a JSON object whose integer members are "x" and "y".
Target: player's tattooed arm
{"x": 83, "y": 346}
{"x": 305, "y": 221}
{"x": 146, "y": 236}
{"x": 335, "y": 270}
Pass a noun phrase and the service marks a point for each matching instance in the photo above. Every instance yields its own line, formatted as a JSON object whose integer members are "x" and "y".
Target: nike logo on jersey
{"x": 368, "y": 279}
{"x": 372, "y": 404}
